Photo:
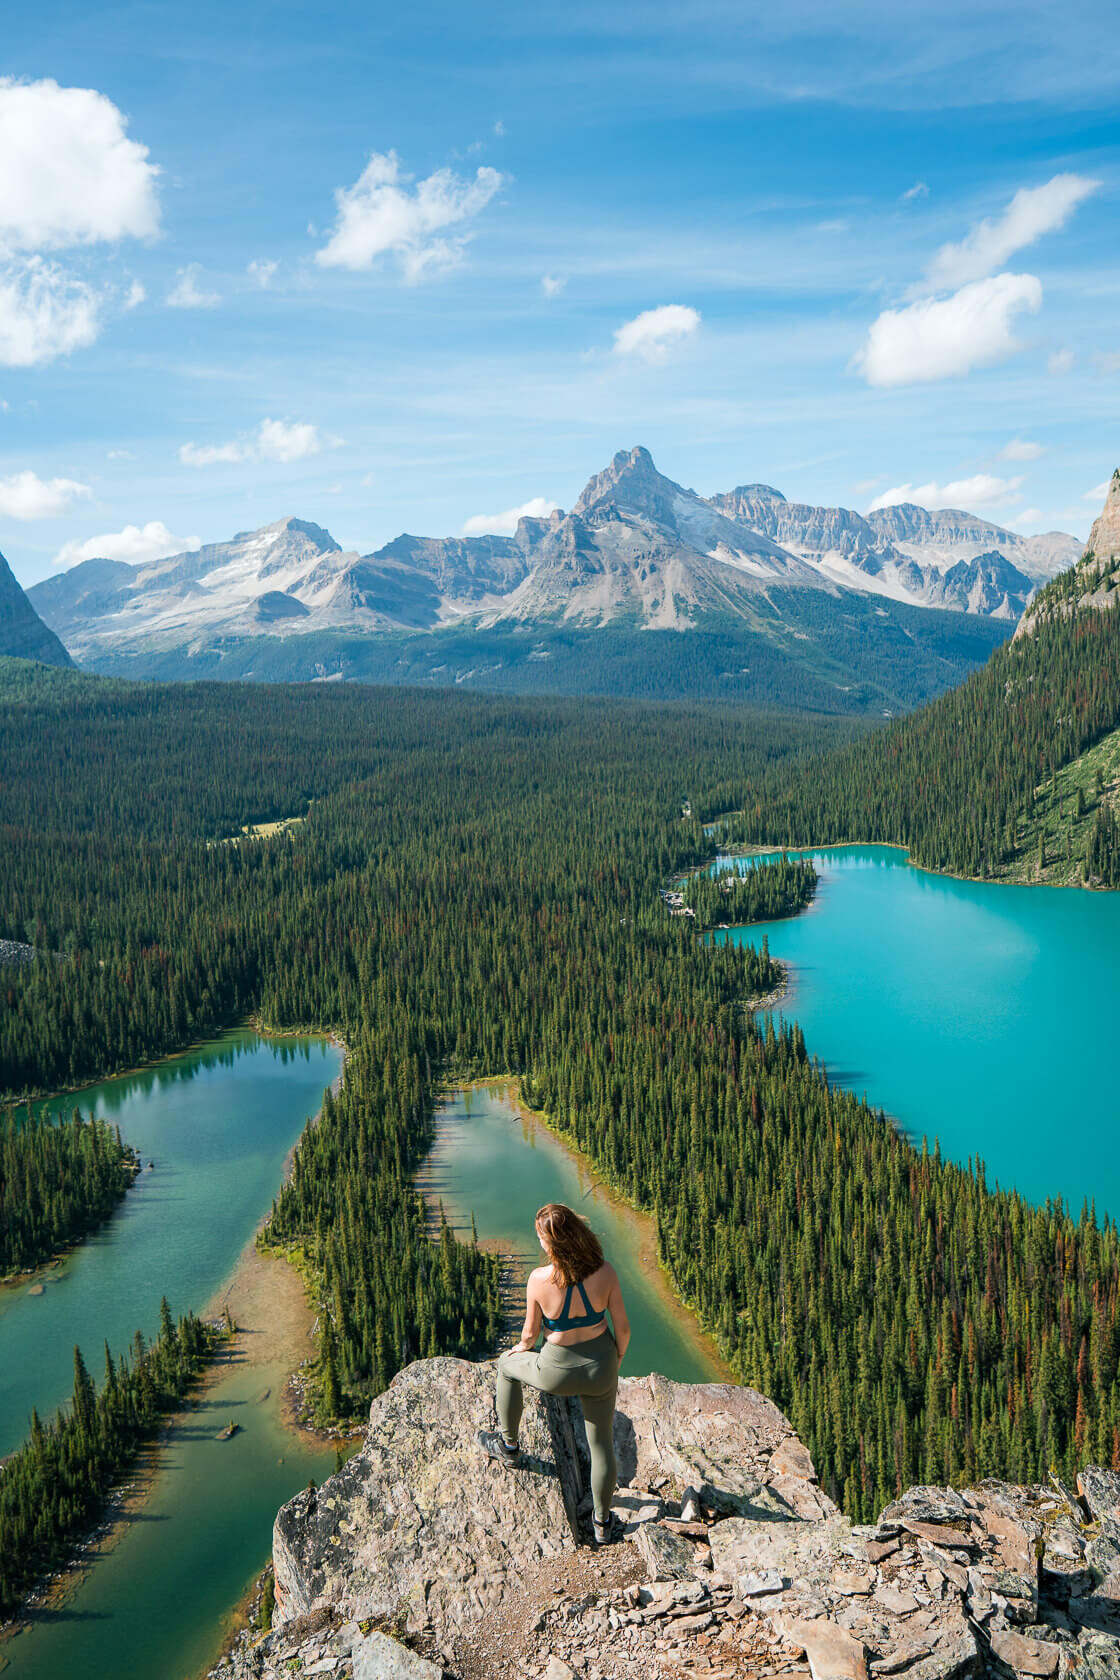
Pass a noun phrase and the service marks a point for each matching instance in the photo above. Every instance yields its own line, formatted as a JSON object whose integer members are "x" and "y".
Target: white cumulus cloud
{"x": 263, "y": 271}
{"x": 981, "y": 490}
{"x": 384, "y": 213}
{"x": 279, "y": 441}
{"x": 186, "y": 293}
{"x": 936, "y": 338}
{"x": 135, "y": 544}
{"x": 24, "y": 495}
{"x": 1033, "y": 211}
{"x": 551, "y": 284}
{"x": 505, "y": 524}
{"x": 273, "y": 440}
{"x": 1021, "y": 449}
{"x": 69, "y": 174}
{"x": 44, "y": 312}
{"x": 650, "y": 334}
{"x": 1097, "y": 493}
{"x": 135, "y": 295}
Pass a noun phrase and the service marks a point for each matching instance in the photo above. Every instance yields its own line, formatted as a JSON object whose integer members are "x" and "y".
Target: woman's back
{"x": 569, "y": 1310}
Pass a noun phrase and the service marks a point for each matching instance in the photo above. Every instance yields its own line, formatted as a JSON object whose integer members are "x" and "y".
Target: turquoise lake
{"x": 218, "y": 1123}
{"x": 980, "y": 1015}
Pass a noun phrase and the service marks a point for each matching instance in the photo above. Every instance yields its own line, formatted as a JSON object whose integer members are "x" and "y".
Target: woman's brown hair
{"x": 573, "y": 1247}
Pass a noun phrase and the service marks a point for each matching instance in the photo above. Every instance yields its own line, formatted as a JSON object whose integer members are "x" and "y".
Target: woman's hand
{"x": 522, "y": 1347}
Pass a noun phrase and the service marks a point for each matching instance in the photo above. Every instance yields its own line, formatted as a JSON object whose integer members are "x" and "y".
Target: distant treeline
{"x": 962, "y": 781}
{"x": 766, "y": 890}
{"x": 58, "y": 1182}
{"x": 55, "y": 1487}
{"x": 476, "y": 891}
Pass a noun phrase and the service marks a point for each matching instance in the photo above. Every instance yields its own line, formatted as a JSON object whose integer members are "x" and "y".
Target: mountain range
{"x": 636, "y": 550}
{"x": 783, "y": 602}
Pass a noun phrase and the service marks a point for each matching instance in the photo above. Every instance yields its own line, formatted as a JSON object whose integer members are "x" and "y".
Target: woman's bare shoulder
{"x": 540, "y": 1274}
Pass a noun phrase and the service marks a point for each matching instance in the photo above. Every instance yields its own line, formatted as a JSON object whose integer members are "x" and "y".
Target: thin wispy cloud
{"x": 553, "y": 284}
{"x": 189, "y": 293}
{"x": 45, "y": 313}
{"x": 1021, "y": 449}
{"x": 1060, "y": 362}
{"x": 1033, "y": 212}
{"x": 262, "y": 271}
{"x": 918, "y": 190}
{"x": 385, "y": 214}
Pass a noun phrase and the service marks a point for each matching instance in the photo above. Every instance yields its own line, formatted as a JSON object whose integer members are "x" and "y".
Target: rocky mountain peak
{"x": 733, "y": 1559}
{"x": 1104, "y": 538}
{"x": 633, "y": 483}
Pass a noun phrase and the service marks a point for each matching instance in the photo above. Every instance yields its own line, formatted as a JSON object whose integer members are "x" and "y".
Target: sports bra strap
{"x": 565, "y": 1321}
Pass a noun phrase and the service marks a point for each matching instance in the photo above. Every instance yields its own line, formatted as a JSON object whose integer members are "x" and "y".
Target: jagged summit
{"x": 734, "y": 1560}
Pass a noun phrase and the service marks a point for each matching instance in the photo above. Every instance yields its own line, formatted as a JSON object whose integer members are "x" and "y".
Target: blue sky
{"x": 414, "y": 272}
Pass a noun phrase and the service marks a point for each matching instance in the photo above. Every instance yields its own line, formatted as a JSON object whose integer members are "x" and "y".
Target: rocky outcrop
{"x": 423, "y": 1558}
{"x": 1094, "y": 583}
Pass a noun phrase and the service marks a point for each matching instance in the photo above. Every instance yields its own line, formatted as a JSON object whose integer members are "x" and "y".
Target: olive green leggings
{"x": 588, "y": 1370}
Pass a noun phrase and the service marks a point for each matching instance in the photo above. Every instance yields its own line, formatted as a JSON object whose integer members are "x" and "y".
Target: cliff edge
{"x": 421, "y": 1558}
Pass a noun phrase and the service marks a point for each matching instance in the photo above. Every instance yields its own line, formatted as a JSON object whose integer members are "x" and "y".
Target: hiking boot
{"x": 495, "y": 1447}
{"x": 607, "y": 1533}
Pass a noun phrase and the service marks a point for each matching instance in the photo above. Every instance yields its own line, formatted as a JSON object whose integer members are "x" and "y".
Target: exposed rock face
{"x": 1094, "y": 583}
{"x": 422, "y": 1551}
{"x": 1104, "y": 538}
{"x": 23, "y": 635}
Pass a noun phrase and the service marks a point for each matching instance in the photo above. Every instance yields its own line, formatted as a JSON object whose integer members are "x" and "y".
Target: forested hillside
{"x": 972, "y": 783}
{"x": 476, "y": 890}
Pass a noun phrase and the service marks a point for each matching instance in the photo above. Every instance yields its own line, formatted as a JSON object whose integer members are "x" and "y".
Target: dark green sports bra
{"x": 567, "y": 1322}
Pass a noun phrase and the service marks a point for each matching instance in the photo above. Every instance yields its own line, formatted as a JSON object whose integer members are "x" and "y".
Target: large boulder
{"x": 423, "y": 1556}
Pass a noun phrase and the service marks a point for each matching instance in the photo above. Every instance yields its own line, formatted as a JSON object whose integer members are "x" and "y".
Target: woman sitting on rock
{"x": 570, "y": 1299}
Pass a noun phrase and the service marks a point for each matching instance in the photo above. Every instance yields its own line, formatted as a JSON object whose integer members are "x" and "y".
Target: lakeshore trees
{"x": 58, "y": 1182}
{"x": 55, "y": 1486}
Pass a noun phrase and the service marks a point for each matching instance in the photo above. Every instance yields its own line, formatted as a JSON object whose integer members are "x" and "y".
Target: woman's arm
{"x": 616, "y": 1306}
{"x": 531, "y": 1329}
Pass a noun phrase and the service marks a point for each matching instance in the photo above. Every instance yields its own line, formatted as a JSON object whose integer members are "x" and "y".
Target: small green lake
{"x": 501, "y": 1166}
{"x": 218, "y": 1123}
{"x": 977, "y": 1014}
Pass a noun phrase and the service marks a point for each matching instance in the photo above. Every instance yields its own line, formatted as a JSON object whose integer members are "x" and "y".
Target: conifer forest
{"x": 473, "y": 888}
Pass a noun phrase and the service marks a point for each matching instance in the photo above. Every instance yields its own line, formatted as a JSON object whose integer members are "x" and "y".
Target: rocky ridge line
{"x": 421, "y": 1558}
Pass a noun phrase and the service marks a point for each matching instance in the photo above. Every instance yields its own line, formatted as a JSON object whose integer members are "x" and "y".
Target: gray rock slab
{"x": 377, "y": 1657}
